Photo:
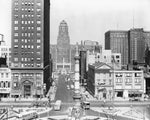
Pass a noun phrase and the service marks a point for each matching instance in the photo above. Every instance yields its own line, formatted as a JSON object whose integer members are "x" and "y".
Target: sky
{"x": 90, "y": 19}
{"x": 87, "y": 19}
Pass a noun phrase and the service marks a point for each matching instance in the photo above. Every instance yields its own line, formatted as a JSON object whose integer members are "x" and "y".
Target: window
{"x": 38, "y": 22}
{"x": 25, "y": 40}
{"x": 38, "y": 53}
{"x": 128, "y": 81}
{"x": 15, "y": 46}
{"x": 29, "y": 34}
{"x": 16, "y": 9}
{"x": 38, "y": 65}
{"x": 15, "y": 40}
{"x": 38, "y": 46}
{"x": 38, "y": 41}
{"x": 38, "y": 59}
{"x": 16, "y": 3}
{"x": 16, "y": 16}
{"x": 38, "y": 75}
{"x": 32, "y": 59}
{"x": 15, "y": 59}
{"x": 16, "y": 34}
{"x": 39, "y": 34}
{"x": 38, "y": 10}
{"x": 128, "y": 75}
{"x": 8, "y": 84}
{"x": 16, "y": 28}
{"x": 137, "y": 80}
{"x": 38, "y": 4}
{"x": 32, "y": 46}
{"x": 109, "y": 81}
{"x": 15, "y": 22}
{"x": 2, "y": 75}
{"x": 117, "y": 56}
{"x": 38, "y": 28}
{"x": 118, "y": 74}
{"x": 38, "y": 16}
{"x": 137, "y": 74}
{"x": 118, "y": 80}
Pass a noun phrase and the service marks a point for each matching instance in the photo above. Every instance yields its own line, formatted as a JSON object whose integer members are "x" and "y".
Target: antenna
{"x": 133, "y": 19}
{"x": 117, "y": 25}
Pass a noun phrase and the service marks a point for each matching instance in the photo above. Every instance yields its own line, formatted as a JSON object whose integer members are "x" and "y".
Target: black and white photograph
{"x": 74, "y": 60}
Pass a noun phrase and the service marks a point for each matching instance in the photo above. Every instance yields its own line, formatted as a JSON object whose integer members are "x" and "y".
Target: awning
{"x": 135, "y": 92}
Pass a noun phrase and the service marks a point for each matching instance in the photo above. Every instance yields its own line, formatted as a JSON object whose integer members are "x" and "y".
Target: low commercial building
{"x": 128, "y": 83}
{"x": 5, "y": 82}
{"x": 100, "y": 82}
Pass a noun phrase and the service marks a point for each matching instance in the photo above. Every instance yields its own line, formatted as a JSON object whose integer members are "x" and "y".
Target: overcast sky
{"x": 87, "y": 19}
{"x": 90, "y": 19}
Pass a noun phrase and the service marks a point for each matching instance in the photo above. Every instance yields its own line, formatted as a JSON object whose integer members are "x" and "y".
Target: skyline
{"x": 87, "y": 20}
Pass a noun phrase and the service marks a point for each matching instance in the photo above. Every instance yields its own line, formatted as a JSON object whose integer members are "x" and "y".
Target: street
{"x": 97, "y": 108}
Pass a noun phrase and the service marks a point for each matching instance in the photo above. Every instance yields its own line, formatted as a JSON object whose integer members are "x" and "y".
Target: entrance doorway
{"x": 27, "y": 90}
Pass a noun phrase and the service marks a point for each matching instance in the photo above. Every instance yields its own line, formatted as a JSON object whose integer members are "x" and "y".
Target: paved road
{"x": 62, "y": 93}
{"x": 65, "y": 94}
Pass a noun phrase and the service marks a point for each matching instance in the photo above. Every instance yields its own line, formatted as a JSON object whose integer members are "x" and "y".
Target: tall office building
{"x": 131, "y": 44}
{"x": 63, "y": 52}
{"x": 30, "y": 47}
{"x": 136, "y": 45}
{"x": 117, "y": 41}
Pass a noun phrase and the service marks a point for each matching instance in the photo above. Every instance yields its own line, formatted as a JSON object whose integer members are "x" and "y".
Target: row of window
{"x": 27, "y": 65}
{"x": 27, "y": 74}
{"x": 128, "y": 80}
{"x": 4, "y": 84}
{"x": 26, "y": 59}
{"x": 27, "y": 9}
{"x": 27, "y": 53}
{"x": 103, "y": 82}
{"x": 16, "y": 34}
{"x": 28, "y": 46}
{"x": 27, "y": 16}
{"x": 25, "y": 3}
{"x": 119, "y": 35}
{"x": 27, "y": 40}
{"x": 4, "y": 75}
{"x": 129, "y": 75}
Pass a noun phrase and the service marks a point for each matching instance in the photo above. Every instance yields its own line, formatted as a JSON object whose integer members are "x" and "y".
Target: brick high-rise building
{"x": 30, "y": 47}
{"x": 117, "y": 41}
{"x": 136, "y": 45}
{"x": 131, "y": 44}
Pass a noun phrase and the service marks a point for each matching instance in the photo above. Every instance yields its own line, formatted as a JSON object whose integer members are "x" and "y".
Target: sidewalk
{"x": 122, "y": 111}
{"x": 52, "y": 92}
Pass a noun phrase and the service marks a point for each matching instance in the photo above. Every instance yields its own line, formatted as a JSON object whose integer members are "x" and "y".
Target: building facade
{"x": 100, "y": 82}
{"x": 5, "y": 82}
{"x": 82, "y": 67}
{"x": 63, "y": 52}
{"x": 5, "y": 52}
{"x": 137, "y": 45}
{"x": 128, "y": 83}
{"x": 30, "y": 48}
{"x": 131, "y": 44}
{"x": 117, "y": 41}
